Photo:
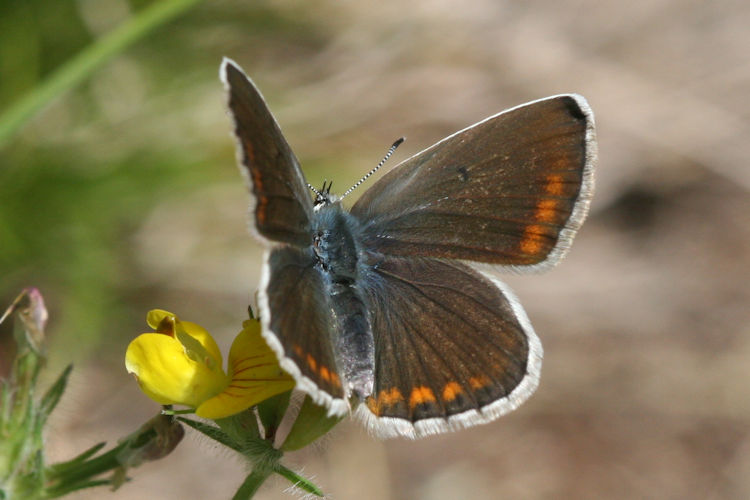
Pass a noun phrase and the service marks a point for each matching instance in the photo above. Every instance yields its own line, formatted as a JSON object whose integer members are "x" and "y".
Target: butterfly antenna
{"x": 317, "y": 193}
{"x": 382, "y": 162}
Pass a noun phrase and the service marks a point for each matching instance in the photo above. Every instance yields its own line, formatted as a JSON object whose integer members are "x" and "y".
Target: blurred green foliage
{"x": 79, "y": 178}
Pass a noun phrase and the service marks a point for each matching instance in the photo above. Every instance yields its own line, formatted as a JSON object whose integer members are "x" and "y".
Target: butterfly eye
{"x": 321, "y": 199}
{"x": 319, "y": 243}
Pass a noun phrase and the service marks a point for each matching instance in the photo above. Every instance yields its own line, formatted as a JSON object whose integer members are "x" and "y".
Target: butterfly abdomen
{"x": 336, "y": 250}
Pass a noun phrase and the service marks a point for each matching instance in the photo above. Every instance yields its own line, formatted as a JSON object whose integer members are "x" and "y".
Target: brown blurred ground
{"x": 646, "y": 324}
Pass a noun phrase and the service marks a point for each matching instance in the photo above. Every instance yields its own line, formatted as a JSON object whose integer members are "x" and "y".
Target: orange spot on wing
{"x": 531, "y": 242}
{"x": 555, "y": 185}
{"x": 247, "y": 146}
{"x": 257, "y": 179}
{"x": 326, "y": 374}
{"x": 546, "y": 211}
{"x": 451, "y": 391}
{"x": 386, "y": 398}
{"x": 261, "y": 199}
{"x": 260, "y": 210}
{"x": 312, "y": 363}
{"x": 421, "y": 395}
{"x": 390, "y": 397}
{"x": 479, "y": 381}
{"x": 297, "y": 350}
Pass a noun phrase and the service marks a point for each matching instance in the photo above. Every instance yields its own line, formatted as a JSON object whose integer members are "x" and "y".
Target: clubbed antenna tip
{"x": 382, "y": 162}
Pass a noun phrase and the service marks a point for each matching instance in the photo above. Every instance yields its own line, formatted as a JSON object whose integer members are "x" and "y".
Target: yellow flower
{"x": 180, "y": 363}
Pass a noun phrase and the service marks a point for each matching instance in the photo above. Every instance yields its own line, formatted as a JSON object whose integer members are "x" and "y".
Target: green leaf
{"x": 213, "y": 432}
{"x": 312, "y": 422}
{"x": 71, "y": 487}
{"x": 258, "y": 451}
{"x": 75, "y": 475}
{"x": 271, "y": 412}
{"x": 300, "y": 482}
{"x": 241, "y": 427}
{"x": 53, "y": 395}
{"x": 61, "y": 467}
{"x": 151, "y": 441}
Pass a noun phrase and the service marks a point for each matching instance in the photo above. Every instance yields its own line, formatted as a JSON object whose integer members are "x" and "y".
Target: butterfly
{"x": 389, "y": 309}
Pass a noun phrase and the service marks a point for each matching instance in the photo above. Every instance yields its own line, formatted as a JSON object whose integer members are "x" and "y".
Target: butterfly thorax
{"x": 336, "y": 248}
{"x": 334, "y": 244}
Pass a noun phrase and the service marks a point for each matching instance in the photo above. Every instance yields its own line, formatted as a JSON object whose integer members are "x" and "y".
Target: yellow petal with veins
{"x": 255, "y": 375}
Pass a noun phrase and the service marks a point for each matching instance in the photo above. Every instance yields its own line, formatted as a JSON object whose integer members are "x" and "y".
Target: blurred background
{"x": 123, "y": 195}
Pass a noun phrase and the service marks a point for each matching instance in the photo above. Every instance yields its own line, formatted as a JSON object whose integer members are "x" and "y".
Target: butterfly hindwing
{"x": 453, "y": 348}
{"x": 510, "y": 190}
{"x": 297, "y": 324}
{"x": 283, "y": 205}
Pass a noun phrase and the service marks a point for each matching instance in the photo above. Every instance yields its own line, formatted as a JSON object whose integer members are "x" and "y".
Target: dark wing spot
{"x": 463, "y": 174}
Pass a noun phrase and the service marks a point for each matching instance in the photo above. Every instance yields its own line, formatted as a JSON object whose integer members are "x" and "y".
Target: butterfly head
{"x": 323, "y": 197}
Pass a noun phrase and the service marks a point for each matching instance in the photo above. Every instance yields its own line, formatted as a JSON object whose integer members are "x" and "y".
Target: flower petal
{"x": 200, "y": 345}
{"x": 255, "y": 373}
{"x": 167, "y": 375}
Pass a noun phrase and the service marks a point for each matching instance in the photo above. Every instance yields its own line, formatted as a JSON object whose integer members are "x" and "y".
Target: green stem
{"x": 252, "y": 483}
{"x": 300, "y": 482}
{"x": 87, "y": 61}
